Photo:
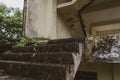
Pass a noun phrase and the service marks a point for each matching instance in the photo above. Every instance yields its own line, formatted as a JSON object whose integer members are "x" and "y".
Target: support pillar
{"x": 41, "y": 18}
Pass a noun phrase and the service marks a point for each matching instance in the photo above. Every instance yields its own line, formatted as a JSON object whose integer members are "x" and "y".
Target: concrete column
{"x": 41, "y": 18}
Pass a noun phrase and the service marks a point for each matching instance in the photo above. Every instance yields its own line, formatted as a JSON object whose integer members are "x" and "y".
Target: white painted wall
{"x": 62, "y": 30}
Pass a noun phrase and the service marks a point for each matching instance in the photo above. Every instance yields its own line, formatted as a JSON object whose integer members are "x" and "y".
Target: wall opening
{"x": 81, "y": 75}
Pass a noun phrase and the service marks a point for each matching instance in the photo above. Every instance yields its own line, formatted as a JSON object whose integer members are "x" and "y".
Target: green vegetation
{"x": 32, "y": 41}
{"x": 11, "y": 22}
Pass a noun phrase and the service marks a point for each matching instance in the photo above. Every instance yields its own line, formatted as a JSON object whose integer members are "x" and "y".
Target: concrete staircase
{"x": 52, "y": 60}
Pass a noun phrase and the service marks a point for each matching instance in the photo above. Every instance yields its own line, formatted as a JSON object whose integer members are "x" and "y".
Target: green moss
{"x": 1, "y": 72}
{"x": 25, "y": 41}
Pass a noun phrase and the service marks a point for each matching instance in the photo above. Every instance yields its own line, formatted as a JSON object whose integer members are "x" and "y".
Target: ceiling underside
{"x": 102, "y": 17}
{"x": 69, "y": 13}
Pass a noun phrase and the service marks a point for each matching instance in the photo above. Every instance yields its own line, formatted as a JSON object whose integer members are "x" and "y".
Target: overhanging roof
{"x": 102, "y": 13}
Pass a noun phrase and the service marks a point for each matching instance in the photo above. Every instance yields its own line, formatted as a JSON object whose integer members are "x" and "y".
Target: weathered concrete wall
{"x": 62, "y": 30}
{"x": 41, "y": 18}
{"x": 69, "y": 13}
{"x": 105, "y": 71}
{"x": 103, "y": 48}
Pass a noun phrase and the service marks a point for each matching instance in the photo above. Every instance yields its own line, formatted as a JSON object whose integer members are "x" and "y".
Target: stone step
{"x": 9, "y": 77}
{"x": 52, "y": 57}
{"x": 4, "y": 47}
{"x": 65, "y": 47}
{"x": 39, "y": 71}
{"x": 66, "y": 40}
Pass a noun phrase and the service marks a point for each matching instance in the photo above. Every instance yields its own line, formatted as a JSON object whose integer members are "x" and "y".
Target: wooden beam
{"x": 103, "y": 23}
{"x": 101, "y": 6}
{"x": 108, "y": 31}
{"x": 93, "y": 31}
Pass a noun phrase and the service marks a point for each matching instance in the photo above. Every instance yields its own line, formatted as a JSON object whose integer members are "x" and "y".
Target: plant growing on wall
{"x": 30, "y": 41}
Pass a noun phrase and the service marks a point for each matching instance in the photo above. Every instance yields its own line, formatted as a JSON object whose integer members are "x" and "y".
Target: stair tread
{"x": 66, "y": 40}
{"x": 41, "y": 53}
{"x": 9, "y": 77}
{"x": 52, "y": 57}
{"x": 67, "y": 47}
{"x": 61, "y": 44}
{"x": 36, "y": 70}
{"x": 33, "y": 63}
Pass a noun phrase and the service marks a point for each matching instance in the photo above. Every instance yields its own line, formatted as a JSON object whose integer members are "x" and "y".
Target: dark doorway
{"x": 86, "y": 76}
